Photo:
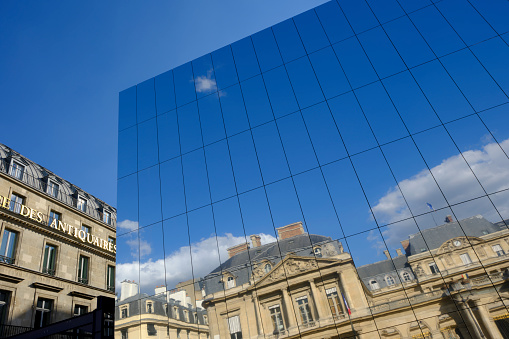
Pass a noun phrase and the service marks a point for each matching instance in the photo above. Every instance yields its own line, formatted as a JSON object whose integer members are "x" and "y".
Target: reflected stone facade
{"x": 57, "y": 251}
{"x": 376, "y": 128}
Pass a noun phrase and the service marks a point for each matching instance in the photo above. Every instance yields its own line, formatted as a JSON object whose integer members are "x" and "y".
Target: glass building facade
{"x": 341, "y": 174}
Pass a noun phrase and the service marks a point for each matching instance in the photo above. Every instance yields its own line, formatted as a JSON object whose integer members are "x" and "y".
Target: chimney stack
{"x": 291, "y": 230}
{"x": 406, "y": 246}
{"x": 256, "y": 240}
{"x": 448, "y": 219}
{"x": 234, "y": 250}
{"x": 387, "y": 254}
{"x": 128, "y": 289}
{"x": 400, "y": 253}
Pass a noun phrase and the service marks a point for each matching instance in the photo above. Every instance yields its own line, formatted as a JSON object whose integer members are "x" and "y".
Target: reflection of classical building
{"x": 167, "y": 314}
{"x": 449, "y": 283}
{"x": 57, "y": 249}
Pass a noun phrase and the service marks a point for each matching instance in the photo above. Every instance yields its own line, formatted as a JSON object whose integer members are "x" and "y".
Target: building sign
{"x": 60, "y": 226}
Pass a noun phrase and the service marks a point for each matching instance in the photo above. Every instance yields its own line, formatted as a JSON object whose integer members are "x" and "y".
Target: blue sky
{"x": 63, "y": 64}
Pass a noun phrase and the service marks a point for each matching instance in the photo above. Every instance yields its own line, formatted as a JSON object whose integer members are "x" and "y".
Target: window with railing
{"x": 54, "y": 217}
{"x": 277, "y": 318}
{"x": 8, "y": 246}
{"x": 107, "y": 217}
{"x": 83, "y": 270}
{"x": 433, "y": 268}
{"x": 53, "y": 188}
{"x": 333, "y": 300}
{"x": 81, "y": 204}
{"x": 110, "y": 278}
{"x": 17, "y": 170}
{"x": 16, "y": 202}
{"x": 49, "y": 259}
{"x": 498, "y": 250}
{"x": 304, "y": 310}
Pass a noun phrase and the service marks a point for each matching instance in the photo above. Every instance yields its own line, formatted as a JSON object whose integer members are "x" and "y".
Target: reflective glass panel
{"x": 127, "y": 108}
{"x": 145, "y": 100}
{"x": 288, "y": 40}
{"x": 333, "y": 21}
{"x": 165, "y": 92}
{"x": 245, "y": 58}
{"x": 267, "y": 50}
{"x": 311, "y": 31}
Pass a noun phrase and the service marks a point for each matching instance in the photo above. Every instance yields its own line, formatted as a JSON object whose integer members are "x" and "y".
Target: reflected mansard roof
{"x": 37, "y": 177}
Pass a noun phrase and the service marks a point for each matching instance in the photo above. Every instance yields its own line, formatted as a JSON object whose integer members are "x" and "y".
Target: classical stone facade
{"x": 450, "y": 281}
{"x": 57, "y": 246}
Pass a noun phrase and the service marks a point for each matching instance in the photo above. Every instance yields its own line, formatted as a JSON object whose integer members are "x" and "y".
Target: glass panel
{"x": 387, "y": 10}
{"x": 495, "y": 119}
{"x": 211, "y": 119}
{"x": 284, "y": 204}
{"x": 147, "y": 144}
{"x": 224, "y": 67}
{"x": 184, "y": 84}
{"x": 189, "y": 127}
{"x": 172, "y": 188}
{"x": 280, "y": 92}
{"x": 436, "y": 31}
{"x": 477, "y": 85}
{"x": 178, "y": 266}
{"x": 304, "y": 83}
{"x": 266, "y": 49}
{"x": 127, "y": 151}
{"x": 356, "y": 65}
{"x": 411, "y": 104}
{"x": 352, "y": 124}
{"x": 204, "y": 80}
{"x": 288, "y": 40}
{"x": 150, "y": 196}
{"x": 256, "y": 214}
{"x": 245, "y": 164}
{"x": 412, "y": 5}
{"x": 257, "y": 103}
{"x": 486, "y": 159}
{"x": 348, "y": 198}
{"x": 127, "y": 202}
{"x": 377, "y": 180}
{"x": 329, "y": 72}
{"x": 165, "y": 92}
{"x": 296, "y": 143}
{"x": 319, "y": 212}
{"x": 333, "y": 21}
{"x": 127, "y": 108}
{"x": 408, "y": 42}
{"x": 495, "y": 12}
{"x": 195, "y": 180}
{"x": 359, "y": 15}
{"x": 234, "y": 111}
{"x": 466, "y": 21}
{"x": 380, "y": 112}
{"x": 245, "y": 58}
{"x": 380, "y": 51}
{"x": 270, "y": 152}
{"x": 447, "y": 166}
{"x": 311, "y": 31}
{"x": 441, "y": 91}
{"x": 220, "y": 169}
{"x": 145, "y": 100}
{"x": 493, "y": 55}
{"x": 168, "y": 136}
{"x": 324, "y": 134}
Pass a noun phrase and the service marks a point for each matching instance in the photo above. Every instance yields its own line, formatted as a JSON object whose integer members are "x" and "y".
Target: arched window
{"x": 230, "y": 282}
{"x": 318, "y": 252}
{"x": 389, "y": 280}
{"x": 374, "y": 284}
{"x": 267, "y": 268}
{"x": 406, "y": 276}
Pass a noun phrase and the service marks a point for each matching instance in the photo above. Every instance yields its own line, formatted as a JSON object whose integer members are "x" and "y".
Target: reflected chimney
{"x": 387, "y": 254}
{"x": 448, "y": 219}
{"x": 234, "y": 250}
{"x": 399, "y": 252}
{"x": 256, "y": 240}
{"x": 291, "y": 230}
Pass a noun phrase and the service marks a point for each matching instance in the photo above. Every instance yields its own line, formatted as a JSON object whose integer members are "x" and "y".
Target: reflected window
{"x": 82, "y": 204}
{"x": 267, "y": 268}
{"x": 406, "y": 276}
{"x": 110, "y": 278}
{"x": 4, "y": 305}
{"x": 107, "y": 217}
{"x": 318, "y": 252}
{"x": 333, "y": 300}
{"x": 17, "y": 170}
{"x": 43, "y": 312}
{"x": 374, "y": 285}
{"x": 149, "y": 308}
{"x": 234, "y": 327}
{"x": 205, "y": 320}
{"x": 49, "y": 260}
{"x": 80, "y": 310}
{"x": 123, "y": 313}
{"x": 54, "y": 217}
{"x": 433, "y": 268}
{"x": 304, "y": 310}
{"x": 85, "y": 229}
{"x": 53, "y": 188}
{"x": 186, "y": 315}
{"x": 465, "y": 258}
{"x": 277, "y": 318}
{"x": 498, "y": 250}
{"x": 123, "y": 334}
{"x": 151, "y": 330}
{"x": 389, "y": 280}
{"x": 8, "y": 247}
{"x": 16, "y": 202}
{"x": 83, "y": 270}
{"x": 230, "y": 282}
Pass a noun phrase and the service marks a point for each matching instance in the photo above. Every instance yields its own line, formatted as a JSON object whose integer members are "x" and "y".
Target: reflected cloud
{"x": 139, "y": 247}
{"x": 205, "y": 83}
{"x": 490, "y": 166}
{"x": 128, "y": 225}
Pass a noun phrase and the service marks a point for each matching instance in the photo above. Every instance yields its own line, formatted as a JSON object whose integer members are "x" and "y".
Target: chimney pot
{"x": 448, "y": 219}
{"x": 256, "y": 240}
{"x": 399, "y": 252}
{"x": 387, "y": 254}
{"x": 234, "y": 250}
{"x": 291, "y": 230}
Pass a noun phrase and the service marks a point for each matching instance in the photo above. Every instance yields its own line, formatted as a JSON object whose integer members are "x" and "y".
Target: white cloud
{"x": 455, "y": 178}
{"x": 128, "y": 225}
{"x": 141, "y": 246}
{"x": 205, "y": 258}
{"x": 205, "y": 83}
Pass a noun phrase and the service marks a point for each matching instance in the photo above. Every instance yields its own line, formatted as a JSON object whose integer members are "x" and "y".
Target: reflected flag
{"x": 429, "y": 205}
{"x": 346, "y": 304}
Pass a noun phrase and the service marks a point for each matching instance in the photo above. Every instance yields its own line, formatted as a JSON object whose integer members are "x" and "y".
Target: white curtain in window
{"x": 234, "y": 324}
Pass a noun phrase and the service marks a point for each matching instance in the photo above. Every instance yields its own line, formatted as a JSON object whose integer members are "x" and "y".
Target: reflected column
{"x": 292, "y": 320}
{"x": 316, "y": 300}
{"x": 254, "y": 300}
{"x": 486, "y": 321}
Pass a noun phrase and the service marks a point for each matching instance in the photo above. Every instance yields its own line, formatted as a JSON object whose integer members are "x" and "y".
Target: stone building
{"x": 452, "y": 277}
{"x": 166, "y": 314}
{"x": 57, "y": 251}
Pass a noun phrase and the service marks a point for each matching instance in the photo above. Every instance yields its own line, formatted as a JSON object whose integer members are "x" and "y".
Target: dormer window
{"x": 53, "y": 188}
{"x": 406, "y": 276}
{"x": 17, "y": 170}
{"x": 82, "y": 204}
{"x": 230, "y": 282}
{"x": 374, "y": 284}
{"x": 107, "y": 217}
{"x": 318, "y": 252}
{"x": 267, "y": 268}
{"x": 149, "y": 307}
{"x": 389, "y": 280}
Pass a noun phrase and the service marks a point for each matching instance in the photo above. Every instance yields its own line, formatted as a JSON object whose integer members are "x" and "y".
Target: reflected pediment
{"x": 458, "y": 243}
